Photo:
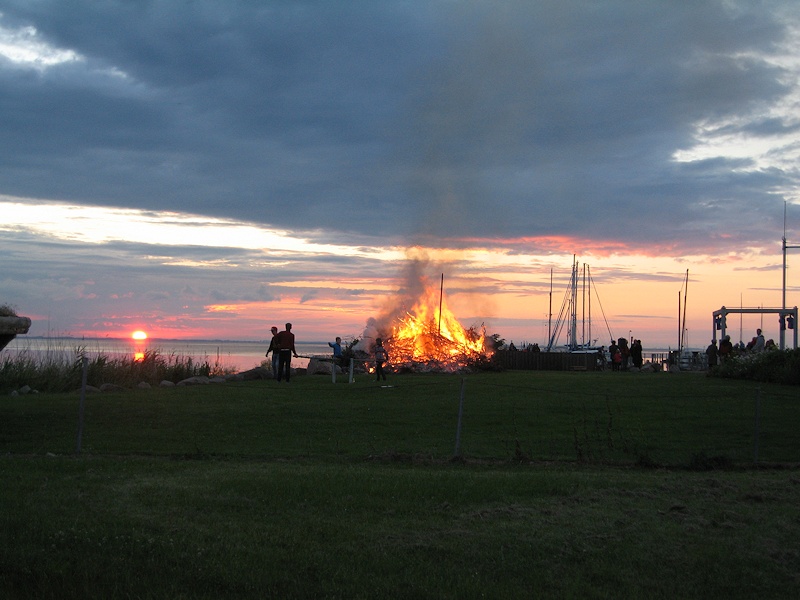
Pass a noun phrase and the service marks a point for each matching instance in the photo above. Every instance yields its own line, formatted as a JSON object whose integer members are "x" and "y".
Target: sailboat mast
{"x": 680, "y": 325}
{"x": 550, "y": 309}
{"x": 583, "y": 307}
{"x": 574, "y": 300}
{"x": 589, "y": 279}
{"x": 683, "y": 326}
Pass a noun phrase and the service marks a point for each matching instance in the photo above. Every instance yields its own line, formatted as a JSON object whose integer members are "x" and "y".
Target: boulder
{"x": 256, "y": 373}
{"x": 111, "y": 387}
{"x": 199, "y": 380}
{"x": 10, "y": 327}
{"x": 321, "y": 366}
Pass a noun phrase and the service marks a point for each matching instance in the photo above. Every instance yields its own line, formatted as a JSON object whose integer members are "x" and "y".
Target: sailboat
{"x": 568, "y": 315}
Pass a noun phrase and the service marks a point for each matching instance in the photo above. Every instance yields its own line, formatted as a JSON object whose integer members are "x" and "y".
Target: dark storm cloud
{"x": 499, "y": 119}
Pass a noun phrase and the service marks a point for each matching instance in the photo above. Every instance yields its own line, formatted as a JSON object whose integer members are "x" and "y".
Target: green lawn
{"x": 567, "y": 485}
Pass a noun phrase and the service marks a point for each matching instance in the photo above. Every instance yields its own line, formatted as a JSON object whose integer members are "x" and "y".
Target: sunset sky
{"x": 205, "y": 169}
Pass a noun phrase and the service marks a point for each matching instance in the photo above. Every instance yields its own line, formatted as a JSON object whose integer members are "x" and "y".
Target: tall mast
{"x": 574, "y": 313}
{"x": 683, "y": 327}
{"x": 589, "y": 279}
{"x": 550, "y": 309}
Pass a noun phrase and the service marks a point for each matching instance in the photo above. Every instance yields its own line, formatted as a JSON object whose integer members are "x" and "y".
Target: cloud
{"x": 464, "y": 118}
{"x": 290, "y": 148}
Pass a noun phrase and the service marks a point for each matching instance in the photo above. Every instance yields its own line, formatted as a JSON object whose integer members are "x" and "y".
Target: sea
{"x": 230, "y": 355}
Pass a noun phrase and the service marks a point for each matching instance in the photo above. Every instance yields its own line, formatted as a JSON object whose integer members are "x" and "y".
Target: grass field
{"x": 564, "y": 485}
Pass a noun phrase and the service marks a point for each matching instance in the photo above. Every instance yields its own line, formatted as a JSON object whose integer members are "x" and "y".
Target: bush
{"x": 772, "y": 366}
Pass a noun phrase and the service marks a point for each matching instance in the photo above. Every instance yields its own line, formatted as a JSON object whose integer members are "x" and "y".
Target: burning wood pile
{"x": 427, "y": 337}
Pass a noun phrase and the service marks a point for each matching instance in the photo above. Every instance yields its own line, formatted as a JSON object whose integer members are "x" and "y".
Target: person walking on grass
{"x": 381, "y": 356}
{"x": 285, "y": 352}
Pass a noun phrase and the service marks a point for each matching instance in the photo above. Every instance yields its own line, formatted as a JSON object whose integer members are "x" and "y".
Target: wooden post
{"x": 82, "y": 401}
{"x": 757, "y": 426}
{"x": 458, "y": 426}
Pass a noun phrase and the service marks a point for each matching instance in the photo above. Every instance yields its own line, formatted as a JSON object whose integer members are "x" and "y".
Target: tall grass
{"x": 60, "y": 369}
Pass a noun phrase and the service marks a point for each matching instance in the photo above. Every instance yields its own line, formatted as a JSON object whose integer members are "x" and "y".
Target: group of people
{"x": 718, "y": 355}
{"x": 624, "y": 356}
{"x": 282, "y": 347}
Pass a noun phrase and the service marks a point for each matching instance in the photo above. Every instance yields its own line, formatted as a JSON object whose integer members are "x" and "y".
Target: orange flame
{"x": 426, "y": 336}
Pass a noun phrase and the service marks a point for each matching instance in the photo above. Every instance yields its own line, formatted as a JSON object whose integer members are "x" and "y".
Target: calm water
{"x": 235, "y": 355}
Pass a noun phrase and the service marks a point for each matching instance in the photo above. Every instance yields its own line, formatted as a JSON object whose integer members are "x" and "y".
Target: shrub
{"x": 772, "y": 366}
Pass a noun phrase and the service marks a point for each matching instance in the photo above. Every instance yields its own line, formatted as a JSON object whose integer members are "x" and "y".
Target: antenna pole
{"x": 441, "y": 295}
{"x": 685, "y": 293}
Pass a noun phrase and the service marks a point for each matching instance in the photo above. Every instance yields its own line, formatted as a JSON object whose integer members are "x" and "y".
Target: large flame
{"x": 427, "y": 338}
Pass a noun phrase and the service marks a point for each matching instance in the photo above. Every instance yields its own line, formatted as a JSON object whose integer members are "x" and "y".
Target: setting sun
{"x": 139, "y": 335}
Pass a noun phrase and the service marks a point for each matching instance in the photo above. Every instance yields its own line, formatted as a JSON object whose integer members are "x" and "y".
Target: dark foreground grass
{"x": 351, "y": 491}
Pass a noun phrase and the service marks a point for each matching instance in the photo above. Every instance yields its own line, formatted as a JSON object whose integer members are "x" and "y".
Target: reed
{"x": 59, "y": 369}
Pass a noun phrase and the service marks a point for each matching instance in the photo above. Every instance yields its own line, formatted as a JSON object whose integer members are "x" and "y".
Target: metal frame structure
{"x": 720, "y": 319}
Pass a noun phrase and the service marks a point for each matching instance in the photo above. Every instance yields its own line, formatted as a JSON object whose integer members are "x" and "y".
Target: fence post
{"x": 757, "y": 425}
{"x": 84, "y": 376}
{"x": 458, "y": 427}
{"x": 351, "y": 370}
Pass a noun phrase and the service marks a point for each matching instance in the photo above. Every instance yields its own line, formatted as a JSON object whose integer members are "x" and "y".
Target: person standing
{"x": 274, "y": 348}
{"x": 711, "y": 353}
{"x": 337, "y": 352}
{"x": 636, "y": 354}
{"x": 285, "y": 351}
{"x": 725, "y": 350}
{"x": 615, "y": 354}
{"x": 381, "y": 356}
{"x": 759, "y": 345}
{"x": 625, "y": 352}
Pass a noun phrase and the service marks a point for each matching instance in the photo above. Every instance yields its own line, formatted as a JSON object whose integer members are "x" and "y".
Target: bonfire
{"x": 428, "y": 337}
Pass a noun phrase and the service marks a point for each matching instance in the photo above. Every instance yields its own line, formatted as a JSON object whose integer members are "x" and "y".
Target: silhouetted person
{"x": 711, "y": 353}
{"x": 274, "y": 348}
{"x": 381, "y": 356}
{"x": 636, "y": 354}
{"x": 759, "y": 341}
{"x": 285, "y": 352}
{"x": 616, "y": 356}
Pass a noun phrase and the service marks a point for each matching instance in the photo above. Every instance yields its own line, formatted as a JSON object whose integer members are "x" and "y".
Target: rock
{"x": 14, "y": 325}
{"x": 256, "y": 373}
{"x": 321, "y": 366}
{"x": 24, "y": 390}
{"x": 143, "y": 385}
{"x": 217, "y": 380}
{"x": 166, "y": 383}
{"x": 199, "y": 380}
{"x": 10, "y": 326}
{"x": 111, "y": 387}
